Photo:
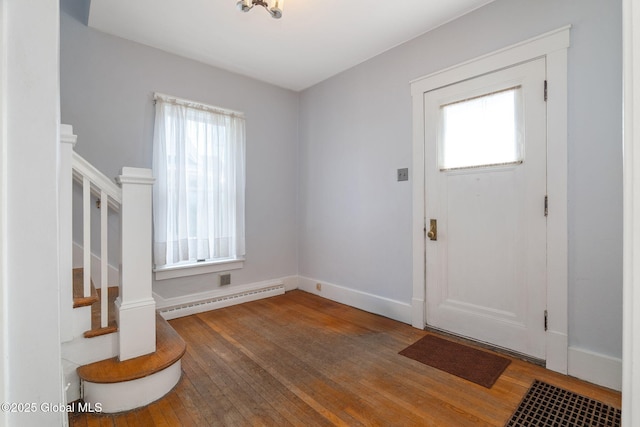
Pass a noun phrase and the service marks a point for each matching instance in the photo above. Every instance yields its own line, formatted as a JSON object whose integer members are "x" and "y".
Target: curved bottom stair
{"x": 114, "y": 386}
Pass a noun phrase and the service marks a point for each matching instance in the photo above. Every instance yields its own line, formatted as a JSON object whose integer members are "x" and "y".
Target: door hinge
{"x": 546, "y": 316}
{"x": 546, "y": 205}
{"x": 545, "y": 91}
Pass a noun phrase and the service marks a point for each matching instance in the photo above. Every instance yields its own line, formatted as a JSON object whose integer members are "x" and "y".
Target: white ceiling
{"x": 312, "y": 41}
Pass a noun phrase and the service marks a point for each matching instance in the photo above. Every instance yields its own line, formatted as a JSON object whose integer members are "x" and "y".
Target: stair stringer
{"x": 81, "y": 351}
{"x": 81, "y": 321}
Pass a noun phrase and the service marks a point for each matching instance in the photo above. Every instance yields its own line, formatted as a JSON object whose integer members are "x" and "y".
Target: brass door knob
{"x": 432, "y": 234}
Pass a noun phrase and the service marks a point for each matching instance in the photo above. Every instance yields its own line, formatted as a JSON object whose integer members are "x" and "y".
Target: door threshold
{"x": 488, "y": 346}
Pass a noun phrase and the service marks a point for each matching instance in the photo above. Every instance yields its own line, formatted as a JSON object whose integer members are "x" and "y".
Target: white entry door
{"x": 485, "y": 171}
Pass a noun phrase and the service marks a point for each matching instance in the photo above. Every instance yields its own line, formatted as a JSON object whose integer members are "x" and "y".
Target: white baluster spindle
{"x": 86, "y": 235}
{"x": 104, "y": 255}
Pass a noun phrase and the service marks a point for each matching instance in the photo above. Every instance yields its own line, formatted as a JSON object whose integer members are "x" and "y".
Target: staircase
{"x": 122, "y": 385}
{"x": 94, "y": 300}
{"x": 116, "y": 351}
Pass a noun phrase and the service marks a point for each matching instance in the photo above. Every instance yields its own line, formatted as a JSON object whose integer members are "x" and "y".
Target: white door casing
{"x": 553, "y": 47}
{"x": 631, "y": 263}
{"x": 486, "y": 272}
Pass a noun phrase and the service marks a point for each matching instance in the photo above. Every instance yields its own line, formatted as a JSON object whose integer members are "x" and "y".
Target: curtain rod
{"x": 195, "y": 104}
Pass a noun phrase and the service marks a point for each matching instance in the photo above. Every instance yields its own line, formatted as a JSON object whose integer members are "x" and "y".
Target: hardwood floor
{"x": 301, "y": 360}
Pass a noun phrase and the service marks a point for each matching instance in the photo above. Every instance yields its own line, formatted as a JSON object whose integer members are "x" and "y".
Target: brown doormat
{"x": 466, "y": 362}
{"x": 547, "y": 405}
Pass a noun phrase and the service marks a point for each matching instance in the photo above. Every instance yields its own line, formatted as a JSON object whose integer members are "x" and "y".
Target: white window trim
{"x": 192, "y": 268}
{"x": 553, "y": 46}
{"x": 195, "y": 268}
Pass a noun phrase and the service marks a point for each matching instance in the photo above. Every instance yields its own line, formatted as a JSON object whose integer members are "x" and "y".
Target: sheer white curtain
{"x": 198, "y": 199}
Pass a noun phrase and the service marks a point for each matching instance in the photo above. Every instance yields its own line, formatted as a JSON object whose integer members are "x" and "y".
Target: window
{"x": 482, "y": 131}
{"x": 198, "y": 199}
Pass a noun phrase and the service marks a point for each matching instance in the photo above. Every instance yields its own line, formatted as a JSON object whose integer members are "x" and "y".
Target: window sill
{"x": 183, "y": 270}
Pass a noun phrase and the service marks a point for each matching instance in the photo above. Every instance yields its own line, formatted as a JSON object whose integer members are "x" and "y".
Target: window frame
{"x": 211, "y": 265}
{"x": 517, "y": 120}
{"x": 199, "y": 267}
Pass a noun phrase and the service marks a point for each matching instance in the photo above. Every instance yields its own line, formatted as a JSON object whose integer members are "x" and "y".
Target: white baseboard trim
{"x": 595, "y": 368}
{"x": 368, "y": 302}
{"x": 172, "y": 308}
{"x": 417, "y": 313}
{"x": 290, "y": 283}
{"x": 557, "y": 352}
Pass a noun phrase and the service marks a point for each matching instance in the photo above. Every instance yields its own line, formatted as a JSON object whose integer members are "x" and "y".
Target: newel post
{"x": 135, "y": 306}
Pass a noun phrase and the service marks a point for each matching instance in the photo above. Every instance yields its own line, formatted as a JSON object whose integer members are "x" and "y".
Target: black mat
{"x": 546, "y": 405}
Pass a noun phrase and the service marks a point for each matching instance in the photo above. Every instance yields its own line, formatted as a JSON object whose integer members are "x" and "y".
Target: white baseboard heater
{"x": 221, "y": 299}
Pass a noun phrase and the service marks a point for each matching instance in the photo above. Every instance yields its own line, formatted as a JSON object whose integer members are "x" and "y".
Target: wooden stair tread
{"x": 79, "y": 300}
{"x": 96, "y": 310}
{"x": 95, "y": 302}
{"x": 170, "y": 347}
{"x": 96, "y": 332}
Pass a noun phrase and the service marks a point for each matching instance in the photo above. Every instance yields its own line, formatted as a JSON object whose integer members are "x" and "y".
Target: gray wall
{"x": 107, "y": 84}
{"x": 355, "y": 131}
{"x": 353, "y": 227}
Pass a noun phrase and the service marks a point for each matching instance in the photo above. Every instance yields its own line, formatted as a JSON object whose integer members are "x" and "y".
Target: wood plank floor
{"x": 301, "y": 360}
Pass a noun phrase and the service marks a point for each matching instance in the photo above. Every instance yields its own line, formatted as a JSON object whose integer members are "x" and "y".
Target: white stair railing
{"x": 131, "y": 200}
{"x": 109, "y": 196}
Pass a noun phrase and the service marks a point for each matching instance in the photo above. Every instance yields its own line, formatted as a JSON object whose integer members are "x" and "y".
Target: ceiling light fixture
{"x": 274, "y": 7}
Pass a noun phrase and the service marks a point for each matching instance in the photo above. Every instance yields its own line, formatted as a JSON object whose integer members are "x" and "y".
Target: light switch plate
{"x": 403, "y": 174}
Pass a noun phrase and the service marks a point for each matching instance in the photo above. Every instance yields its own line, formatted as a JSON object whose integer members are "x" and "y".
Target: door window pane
{"x": 482, "y": 131}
